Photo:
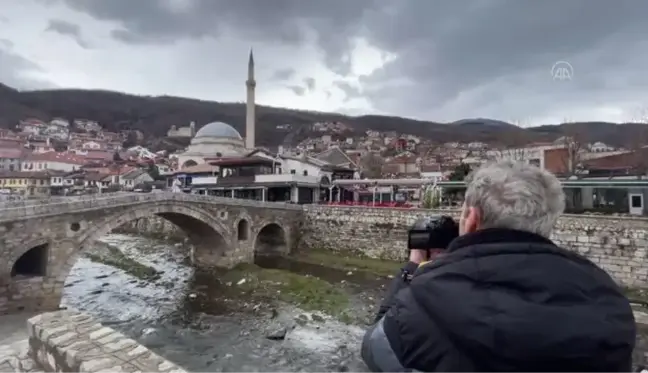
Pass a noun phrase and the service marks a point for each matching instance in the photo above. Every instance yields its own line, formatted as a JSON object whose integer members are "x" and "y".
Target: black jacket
{"x": 503, "y": 300}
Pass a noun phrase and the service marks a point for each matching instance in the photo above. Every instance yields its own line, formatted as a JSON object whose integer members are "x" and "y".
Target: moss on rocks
{"x": 637, "y": 295}
{"x": 307, "y": 292}
{"x": 115, "y": 258}
{"x": 354, "y": 262}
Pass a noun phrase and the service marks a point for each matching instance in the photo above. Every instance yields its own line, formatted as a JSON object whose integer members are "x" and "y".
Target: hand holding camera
{"x": 430, "y": 234}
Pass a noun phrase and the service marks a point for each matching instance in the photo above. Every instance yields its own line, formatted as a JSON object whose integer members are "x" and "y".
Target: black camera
{"x": 434, "y": 232}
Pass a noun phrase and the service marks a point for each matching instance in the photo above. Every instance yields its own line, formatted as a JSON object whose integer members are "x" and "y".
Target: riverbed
{"x": 288, "y": 318}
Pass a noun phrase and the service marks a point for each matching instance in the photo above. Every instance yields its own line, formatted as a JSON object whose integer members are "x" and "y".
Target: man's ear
{"x": 472, "y": 219}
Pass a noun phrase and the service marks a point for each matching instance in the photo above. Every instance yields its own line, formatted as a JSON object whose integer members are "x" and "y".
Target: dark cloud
{"x": 310, "y": 84}
{"x": 283, "y": 75}
{"x": 307, "y": 85}
{"x": 349, "y": 90}
{"x": 297, "y": 90}
{"x": 448, "y": 48}
{"x": 452, "y": 58}
{"x": 6, "y": 44}
{"x": 68, "y": 29}
{"x": 16, "y": 71}
{"x": 287, "y": 21}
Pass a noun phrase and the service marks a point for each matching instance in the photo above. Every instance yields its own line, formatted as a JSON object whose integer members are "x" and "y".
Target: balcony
{"x": 236, "y": 180}
{"x": 286, "y": 178}
{"x": 204, "y": 180}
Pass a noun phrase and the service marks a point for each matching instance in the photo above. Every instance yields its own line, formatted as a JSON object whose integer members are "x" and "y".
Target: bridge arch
{"x": 243, "y": 230}
{"x": 272, "y": 239}
{"x": 31, "y": 259}
{"x": 207, "y": 235}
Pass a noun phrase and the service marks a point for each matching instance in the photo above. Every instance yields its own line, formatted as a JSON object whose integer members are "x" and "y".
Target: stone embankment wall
{"x": 70, "y": 341}
{"x": 618, "y": 244}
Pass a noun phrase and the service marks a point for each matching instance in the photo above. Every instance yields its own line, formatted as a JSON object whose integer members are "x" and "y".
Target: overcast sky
{"x": 525, "y": 61}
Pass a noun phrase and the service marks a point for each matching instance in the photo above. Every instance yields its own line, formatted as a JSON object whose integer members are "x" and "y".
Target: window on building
{"x": 535, "y": 162}
{"x": 636, "y": 202}
{"x": 293, "y": 172}
{"x": 305, "y": 173}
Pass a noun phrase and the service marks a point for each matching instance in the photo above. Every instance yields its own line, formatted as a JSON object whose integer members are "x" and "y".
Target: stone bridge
{"x": 41, "y": 241}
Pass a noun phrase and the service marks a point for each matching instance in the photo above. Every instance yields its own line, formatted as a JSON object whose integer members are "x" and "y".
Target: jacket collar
{"x": 496, "y": 235}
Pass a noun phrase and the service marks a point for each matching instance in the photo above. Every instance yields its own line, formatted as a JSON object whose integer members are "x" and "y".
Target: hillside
{"x": 155, "y": 115}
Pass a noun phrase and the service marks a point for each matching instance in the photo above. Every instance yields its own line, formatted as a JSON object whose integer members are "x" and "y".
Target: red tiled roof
{"x": 240, "y": 161}
{"x": 98, "y": 154}
{"x": 12, "y": 152}
{"x": 31, "y": 174}
{"x": 61, "y": 157}
{"x": 199, "y": 168}
{"x": 430, "y": 168}
{"x": 11, "y": 142}
{"x": 33, "y": 121}
{"x": 95, "y": 176}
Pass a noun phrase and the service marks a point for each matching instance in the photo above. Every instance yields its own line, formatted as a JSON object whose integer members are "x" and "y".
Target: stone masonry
{"x": 70, "y": 341}
{"x": 67, "y": 227}
{"x": 618, "y": 244}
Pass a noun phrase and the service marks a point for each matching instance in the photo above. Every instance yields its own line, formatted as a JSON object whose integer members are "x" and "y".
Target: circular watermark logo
{"x": 562, "y": 70}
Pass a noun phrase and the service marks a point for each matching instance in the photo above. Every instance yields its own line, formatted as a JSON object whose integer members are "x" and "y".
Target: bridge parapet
{"x": 70, "y": 341}
{"x": 26, "y": 210}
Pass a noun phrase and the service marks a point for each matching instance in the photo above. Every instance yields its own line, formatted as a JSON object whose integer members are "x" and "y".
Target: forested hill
{"x": 155, "y": 115}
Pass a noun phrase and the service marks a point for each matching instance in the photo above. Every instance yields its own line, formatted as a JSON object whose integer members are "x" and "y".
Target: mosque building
{"x": 213, "y": 141}
{"x": 220, "y": 162}
{"x": 218, "y": 140}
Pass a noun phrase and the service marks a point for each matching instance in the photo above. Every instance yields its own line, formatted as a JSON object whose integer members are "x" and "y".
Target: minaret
{"x": 250, "y": 106}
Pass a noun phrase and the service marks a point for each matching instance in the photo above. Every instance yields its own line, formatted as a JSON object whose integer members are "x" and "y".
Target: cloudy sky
{"x": 525, "y": 61}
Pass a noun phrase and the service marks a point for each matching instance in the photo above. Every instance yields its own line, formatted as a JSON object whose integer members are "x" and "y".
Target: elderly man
{"x": 503, "y": 296}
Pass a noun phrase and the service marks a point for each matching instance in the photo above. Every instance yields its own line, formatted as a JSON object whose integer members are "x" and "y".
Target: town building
{"x": 129, "y": 180}
{"x": 186, "y": 131}
{"x": 11, "y": 158}
{"x": 552, "y": 157}
{"x": 264, "y": 176}
{"x": 32, "y": 184}
{"x": 60, "y": 161}
{"x": 38, "y": 145}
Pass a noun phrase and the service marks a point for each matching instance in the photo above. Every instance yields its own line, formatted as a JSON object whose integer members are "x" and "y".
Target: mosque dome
{"x": 218, "y": 129}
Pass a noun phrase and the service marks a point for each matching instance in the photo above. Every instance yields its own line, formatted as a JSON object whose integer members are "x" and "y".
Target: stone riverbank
{"x": 617, "y": 244}
{"x": 251, "y": 318}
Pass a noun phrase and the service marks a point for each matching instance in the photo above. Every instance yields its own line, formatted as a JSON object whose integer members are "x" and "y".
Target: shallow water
{"x": 222, "y": 335}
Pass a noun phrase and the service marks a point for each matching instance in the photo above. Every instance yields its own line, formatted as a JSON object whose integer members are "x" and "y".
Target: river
{"x": 217, "y": 321}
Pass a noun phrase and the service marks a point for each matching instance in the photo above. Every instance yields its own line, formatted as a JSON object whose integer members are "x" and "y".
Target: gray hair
{"x": 516, "y": 195}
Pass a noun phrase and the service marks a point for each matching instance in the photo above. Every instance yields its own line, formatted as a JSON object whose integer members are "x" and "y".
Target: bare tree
{"x": 371, "y": 166}
{"x": 512, "y": 146}
{"x": 514, "y": 154}
{"x": 639, "y": 146}
{"x": 575, "y": 143}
